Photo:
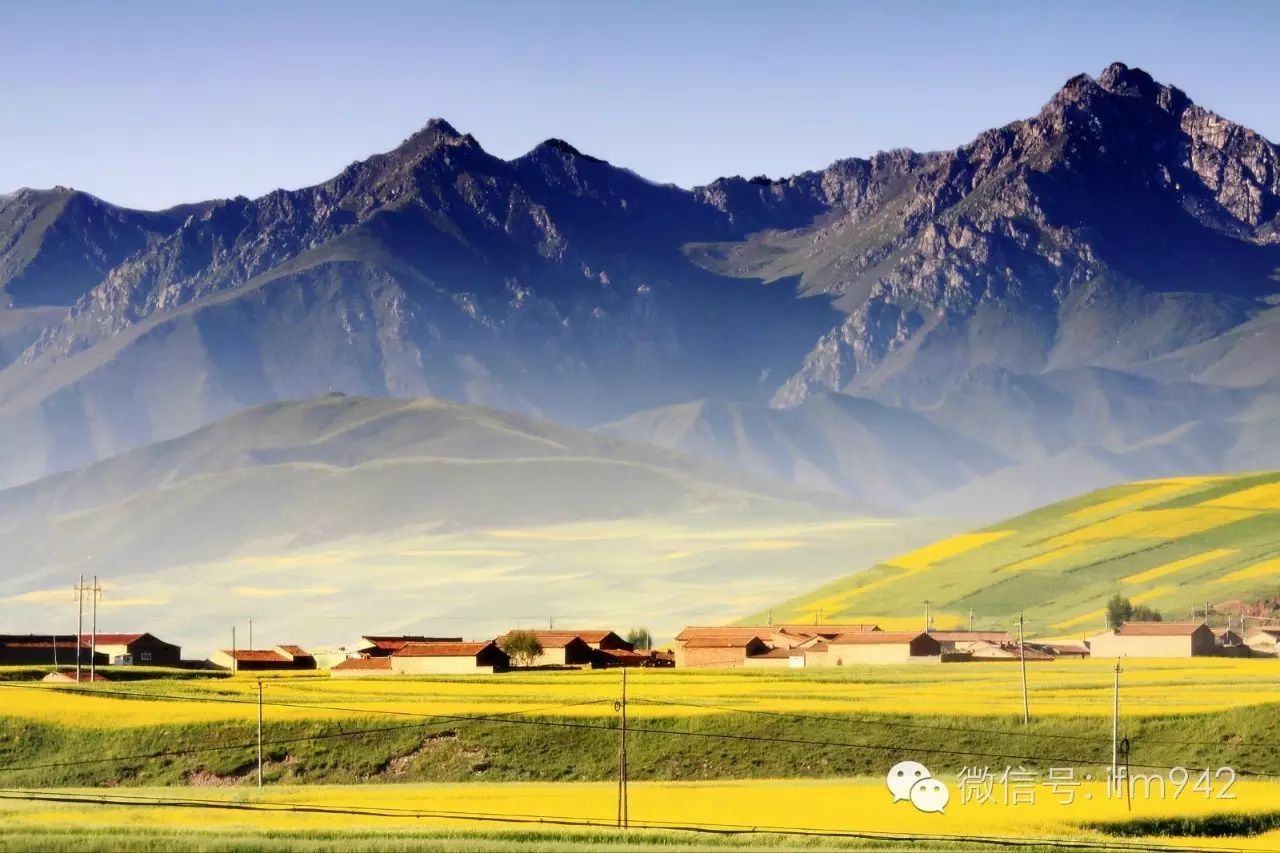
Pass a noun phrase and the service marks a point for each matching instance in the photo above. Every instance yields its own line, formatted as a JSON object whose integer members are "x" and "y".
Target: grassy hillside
{"x": 1170, "y": 544}
{"x": 328, "y": 517}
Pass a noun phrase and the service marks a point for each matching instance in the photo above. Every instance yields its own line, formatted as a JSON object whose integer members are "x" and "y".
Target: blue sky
{"x": 150, "y": 104}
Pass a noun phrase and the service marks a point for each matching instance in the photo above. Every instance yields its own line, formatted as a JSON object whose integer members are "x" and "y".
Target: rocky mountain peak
{"x": 1120, "y": 79}
{"x": 437, "y": 134}
{"x": 560, "y": 148}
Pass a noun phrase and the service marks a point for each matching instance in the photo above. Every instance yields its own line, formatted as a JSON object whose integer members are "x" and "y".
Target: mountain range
{"x": 1083, "y": 297}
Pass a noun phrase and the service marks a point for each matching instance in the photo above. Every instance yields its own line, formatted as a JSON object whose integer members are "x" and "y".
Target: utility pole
{"x": 1022, "y": 654}
{"x": 234, "y": 664}
{"x": 551, "y": 623}
{"x": 250, "y": 632}
{"x": 623, "y": 816}
{"x": 1115, "y": 730}
{"x": 93, "y": 637}
{"x": 79, "y": 624}
{"x": 970, "y": 620}
{"x": 259, "y": 732}
{"x": 926, "y": 615}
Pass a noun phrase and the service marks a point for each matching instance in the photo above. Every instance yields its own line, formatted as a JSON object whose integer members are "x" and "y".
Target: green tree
{"x": 640, "y": 638}
{"x": 523, "y": 647}
{"x": 1143, "y": 613}
{"x": 1121, "y": 610}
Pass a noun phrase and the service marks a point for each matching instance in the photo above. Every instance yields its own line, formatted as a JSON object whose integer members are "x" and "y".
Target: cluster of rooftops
{"x": 390, "y": 654}
{"x": 783, "y": 645}
{"x": 796, "y": 645}
{"x": 811, "y": 645}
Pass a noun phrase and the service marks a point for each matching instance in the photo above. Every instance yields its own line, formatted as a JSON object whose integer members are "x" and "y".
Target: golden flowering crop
{"x": 863, "y": 805}
{"x": 1154, "y": 524}
{"x": 1265, "y": 497}
{"x": 1060, "y": 687}
{"x": 1179, "y": 565}
{"x": 923, "y": 558}
{"x": 1266, "y": 568}
{"x": 1157, "y": 491}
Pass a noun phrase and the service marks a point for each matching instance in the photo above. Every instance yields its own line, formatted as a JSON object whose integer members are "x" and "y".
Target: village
{"x": 94, "y": 655}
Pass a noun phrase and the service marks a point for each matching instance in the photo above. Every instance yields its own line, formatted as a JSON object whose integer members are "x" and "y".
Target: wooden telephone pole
{"x": 259, "y": 732}
{"x": 93, "y": 637}
{"x": 1115, "y": 730}
{"x": 1022, "y": 654}
{"x": 623, "y": 811}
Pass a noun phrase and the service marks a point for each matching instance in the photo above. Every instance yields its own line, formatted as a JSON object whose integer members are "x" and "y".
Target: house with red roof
{"x": 45, "y": 650}
{"x": 720, "y": 646}
{"x": 385, "y": 645}
{"x": 362, "y": 667}
{"x": 449, "y": 658}
{"x": 286, "y": 657}
{"x": 137, "y": 649}
{"x": 567, "y": 648}
{"x": 877, "y": 647}
{"x": 1154, "y": 640}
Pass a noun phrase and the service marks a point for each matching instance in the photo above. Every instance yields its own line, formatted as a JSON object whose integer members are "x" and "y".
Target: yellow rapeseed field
{"x": 923, "y": 558}
{"x": 1179, "y": 565}
{"x": 1154, "y": 524}
{"x": 1150, "y": 494}
{"x": 1073, "y": 687}
{"x": 1265, "y": 497}
{"x": 1038, "y": 809}
{"x": 1264, "y": 569}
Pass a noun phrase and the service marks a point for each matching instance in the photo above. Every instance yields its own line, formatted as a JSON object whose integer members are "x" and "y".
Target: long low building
{"x": 720, "y": 646}
{"x": 590, "y": 647}
{"x": 137, "y": 649}
{"x": 385, "y": 645}
{"x": 449, "y": 658}
{"x": 759, "y": 645}
{"x": 285, "y": 657}
{"x": 46, "y": 650}
{"x": 1155, "y": 640}
{"x": 879, "y": 647}
{"x": 362, "y": 667}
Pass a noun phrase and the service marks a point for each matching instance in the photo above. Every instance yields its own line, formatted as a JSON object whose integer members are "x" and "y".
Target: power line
{"x": 894, "y": 748}
{"x": 565, "y": 820}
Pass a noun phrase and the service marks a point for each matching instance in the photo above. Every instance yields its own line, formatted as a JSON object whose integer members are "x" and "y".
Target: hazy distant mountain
{"x": 413, "y": 513}
{"x": 1100, "y": 279}
{"x": 882, "y": 455}
{"x": 301, "y": 473}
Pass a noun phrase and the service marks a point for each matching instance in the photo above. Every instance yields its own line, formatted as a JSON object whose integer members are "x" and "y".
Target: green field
{"x": 1170, "y": 544}
{"x": 739, "y": 759}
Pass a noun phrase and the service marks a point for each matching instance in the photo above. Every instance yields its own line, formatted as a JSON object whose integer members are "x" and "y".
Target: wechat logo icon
{"x": 911, "y": 780}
